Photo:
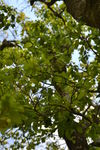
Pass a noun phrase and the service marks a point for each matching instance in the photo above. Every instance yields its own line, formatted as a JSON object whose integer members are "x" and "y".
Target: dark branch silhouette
{"x": 6, "y": 44}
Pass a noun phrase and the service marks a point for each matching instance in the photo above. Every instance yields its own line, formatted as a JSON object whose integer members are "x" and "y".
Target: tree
{"x": 43, "y": 91}
{"x": 86, "y": 11}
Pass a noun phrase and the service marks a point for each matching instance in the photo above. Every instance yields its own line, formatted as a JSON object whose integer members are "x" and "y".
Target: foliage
{"x": 42, "y": 90}
{"x": 7, "y": 16}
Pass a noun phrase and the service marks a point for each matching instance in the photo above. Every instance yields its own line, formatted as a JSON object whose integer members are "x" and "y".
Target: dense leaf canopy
{"x": 42, "y": 89}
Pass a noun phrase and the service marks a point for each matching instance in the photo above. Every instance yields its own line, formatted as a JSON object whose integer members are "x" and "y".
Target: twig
{"x": 72, "y": 111}
{"x": 57, "y": 14}
{"x": 85, "y": 39}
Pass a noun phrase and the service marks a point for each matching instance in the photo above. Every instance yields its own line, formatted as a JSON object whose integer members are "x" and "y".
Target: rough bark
{"x": 87, "y": 11}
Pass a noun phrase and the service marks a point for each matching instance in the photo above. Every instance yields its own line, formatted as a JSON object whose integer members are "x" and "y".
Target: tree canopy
{"x": 43, "y": 91}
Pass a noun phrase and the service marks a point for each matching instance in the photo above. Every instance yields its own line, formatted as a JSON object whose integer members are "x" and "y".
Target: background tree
{"x": 42, "y": 90}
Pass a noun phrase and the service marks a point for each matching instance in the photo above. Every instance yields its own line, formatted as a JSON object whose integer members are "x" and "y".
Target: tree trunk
{"x": 80, "y": 143}
{"x": 87, "y": 11}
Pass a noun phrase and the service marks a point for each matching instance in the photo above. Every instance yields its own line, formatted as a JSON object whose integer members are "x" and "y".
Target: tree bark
{"x": 87, "y": 11}
{"x": 80, "y": 142}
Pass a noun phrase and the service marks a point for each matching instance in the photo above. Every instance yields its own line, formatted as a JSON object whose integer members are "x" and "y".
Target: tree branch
{"x": 43, "y": 1}
{"x": 57, "y": 14}
{"x": 6, "y": 44}
{"x": 89, "y": 45}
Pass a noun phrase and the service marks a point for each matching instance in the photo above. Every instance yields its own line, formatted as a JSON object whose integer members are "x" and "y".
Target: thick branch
{"x": 6, "y": 44}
